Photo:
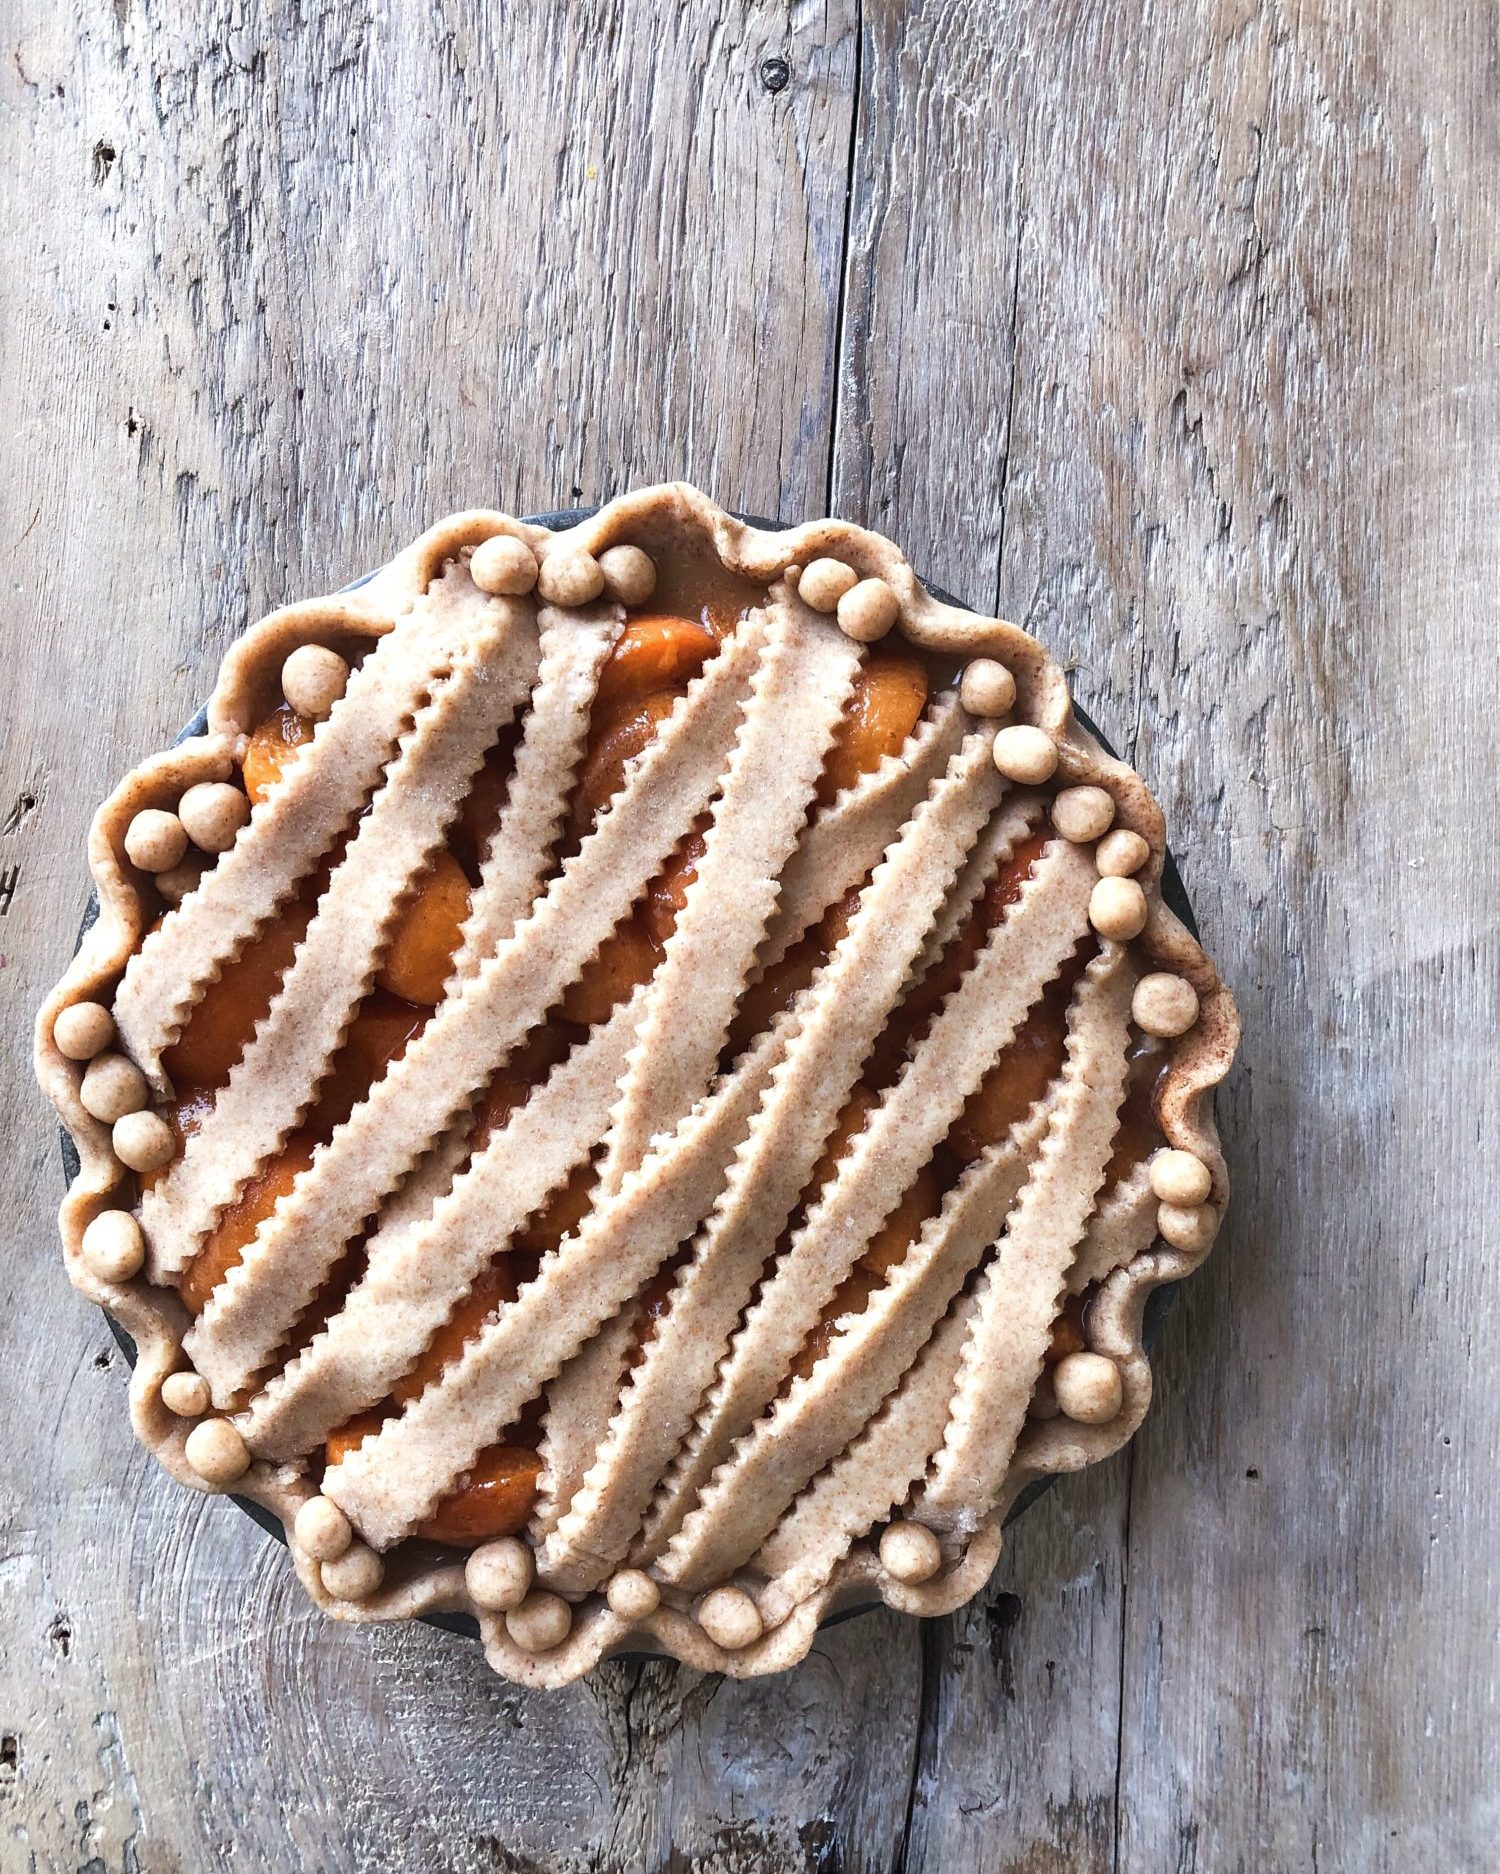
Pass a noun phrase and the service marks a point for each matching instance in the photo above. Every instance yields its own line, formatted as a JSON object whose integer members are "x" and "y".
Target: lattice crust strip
{"x": 1021, "y": 956}
{"x": 849, "y": 1003}
{"x": 1018, "y": 1293}
{"x": 275, "y": 1080}
{"x": 688, "y": 1451}
{"x": 291, "y": 829}
{"x": 473, "y": 1031}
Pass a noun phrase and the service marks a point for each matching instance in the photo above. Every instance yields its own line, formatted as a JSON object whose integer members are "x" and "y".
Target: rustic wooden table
{"x": 1167, "y": 330}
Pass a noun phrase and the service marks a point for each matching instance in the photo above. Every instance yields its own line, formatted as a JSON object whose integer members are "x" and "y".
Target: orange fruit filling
{"x": 884, "y": 707}
{"x": 424, "y": 942}
{"x": 220, "y": 1025}
{"x": 271, "y": 746}
{"x": 652, "y": 653}
{"x": 236, "y": 1226}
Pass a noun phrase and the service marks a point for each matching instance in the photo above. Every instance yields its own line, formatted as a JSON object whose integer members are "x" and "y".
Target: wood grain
{"x": 1167, "y": 331}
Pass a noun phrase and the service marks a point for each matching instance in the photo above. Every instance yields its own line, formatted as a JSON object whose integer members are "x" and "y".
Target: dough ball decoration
{"x": 570, "y": 577}
{"x": 212, "y": 814}
{"x": 217, "y": 1452}
{"x": 114, "y": 1247}
{"x": 824, "y": 582}
{"x": 499, "y": 1574}
{"x": 313, "y": 679}
{"x": 353, "y": 1576}
{"x": 987, "y": 688}
{"x": 629, "y": 575}
{"x": 83, "y": 1030}
{"x": 322, "y": 1530}
{"x": 910, "y": 1552}
{"x": 143, "y": 1141}
{"x": 503, "y": 565}
{"x": 509, "y": 1576}
{"x": 1025, "y": 755}
{"x": 731, "y": 1619}
{"x": 1088, "y": 1388}
{"x": 632, "y": 1594}
{"x": 541, "y": 1622}
{"x": 156, "y": 840}
{"x": 867, "y": 611}
{"x": 185, "y": 1395}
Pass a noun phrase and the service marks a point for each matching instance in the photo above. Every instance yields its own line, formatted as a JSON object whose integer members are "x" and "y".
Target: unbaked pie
{"x": 635, "y": 1082}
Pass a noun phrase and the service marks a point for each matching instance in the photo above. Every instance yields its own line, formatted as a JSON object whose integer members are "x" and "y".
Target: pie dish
{"x": 635, "y": 1083}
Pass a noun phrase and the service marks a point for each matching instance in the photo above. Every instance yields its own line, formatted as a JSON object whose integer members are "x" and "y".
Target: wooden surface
{"x": 1168, "y": 330}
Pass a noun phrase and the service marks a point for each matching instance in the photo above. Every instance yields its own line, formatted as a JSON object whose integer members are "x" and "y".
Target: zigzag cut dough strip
{"x": 419, "y": 1273}
{"x": 796, "y": 699}
{"x": 819, "y": 1414}
{"x": 1120, "y": 1229}
{"x": 848, "y": 1003}
{"x": 290, "y": 830}
{"x": 579, "y": 1404}
{"x": 274, "y": 1081}
{"x": 1020, "y": 957}
{"x": 474, "y": 1030}
{"x": 1019, "y": 1291}
{"x": 844, "y": 841}
{"x": 864, "y": 1484}
{"x": 393, "y": 1480}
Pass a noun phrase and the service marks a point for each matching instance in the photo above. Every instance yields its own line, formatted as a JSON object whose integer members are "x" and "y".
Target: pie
{"x": 635, "y": 1082}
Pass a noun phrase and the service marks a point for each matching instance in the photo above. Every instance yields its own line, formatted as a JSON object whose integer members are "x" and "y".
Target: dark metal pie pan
{"x": 1157, "y": 1303}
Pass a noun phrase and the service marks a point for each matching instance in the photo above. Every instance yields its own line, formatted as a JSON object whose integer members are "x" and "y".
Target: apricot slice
{"x": 667, "y": 893}
{"x": 652, "y": 653}
{"x": 564, "y": 1211}
{"x": 351, "y": 1435}
{"x": 220, "y": 1025}
{"x": 495, "y": 1286}
{"x": 620, "y": 735}
{"x": 224, "y": 1246}
{"x": 271, "y": 746}
{"x": 419, "y": 958}
{"x": 380, "y": 1033}
{"x": 1139, "y": 1130}
{"x": 884, "y": 707}
{"x": 851, "y": 1297}
{"x": 626, "y": 957}
{"x": 1025, "y": 1069}
{"x": 496, "y": 1499}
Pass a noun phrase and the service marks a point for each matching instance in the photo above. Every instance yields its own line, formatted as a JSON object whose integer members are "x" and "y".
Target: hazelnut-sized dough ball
{"x": 112, "y": 1087}
{"x": 1180, "y": 1179}
{"x": 1082, "y": 814}
{"x": 503, "y": 565}
{"x": 1190, "y": 1228}
{"x": 571, "y": 577}
{"x": 867, "y": 611}
{"x": 143, "y": 1141}
{"x": 632, "y": 1594}
{"x": 910, "y": 1552}
{"x": 541, "y": 1622}
{"x": 313, "y": 679}
{"x": 498, "y": 1574}
{"x": 1025, "y": 754}
{"x": 155, "y": 840}
{"x": 824, "y": 583}
{"x": 322, "y": 1530}
{"x": 354, "y": 1575}
{"x": 987, "y": 688}
{"x": 217, "y": 1452}
{"x": 185, "y": 1395}
{"x": 1117, "y": 909}
{"x": 1120, "y": 853}
{"x": 113, "y": 1246}
{"x": 1088, "y": 1388}
{"x": 83, "y": 1030}
{"x": 175, "y": 885}
{"x": 728, "y": 1615}
{"x": 1164, "y": 1006}
{"x": 213, "y": 813}
{"x": 629, "y": 574}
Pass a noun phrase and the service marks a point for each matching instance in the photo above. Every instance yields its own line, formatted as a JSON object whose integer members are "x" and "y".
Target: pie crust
{"x": 701, "y": 1493}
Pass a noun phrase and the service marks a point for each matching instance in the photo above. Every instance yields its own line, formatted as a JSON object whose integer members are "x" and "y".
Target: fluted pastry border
{"x": 248, "y": 685}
